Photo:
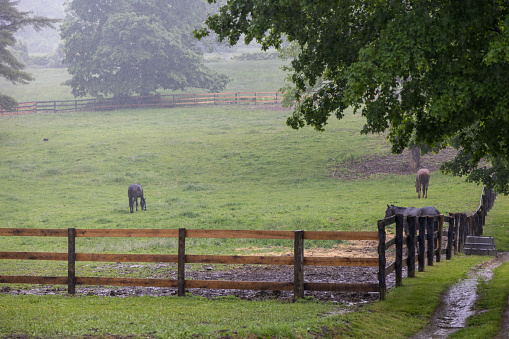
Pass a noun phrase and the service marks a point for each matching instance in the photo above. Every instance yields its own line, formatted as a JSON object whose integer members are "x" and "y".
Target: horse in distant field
{"x": 410, "y": 211}
{"x": 134, "y": 192}
{"x": 422, "y": 179}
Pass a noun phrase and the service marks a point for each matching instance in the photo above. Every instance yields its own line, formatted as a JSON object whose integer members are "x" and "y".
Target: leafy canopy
{"x": 435, "y": 70}
{"x": 130, "y": 47}
{"x": 11, "y": 20}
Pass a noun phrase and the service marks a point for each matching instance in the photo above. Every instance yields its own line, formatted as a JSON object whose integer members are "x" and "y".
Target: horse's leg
{"x": 136, "y": 204}
{"x": 426, "y": 191}
{"x": 131, "y": 204}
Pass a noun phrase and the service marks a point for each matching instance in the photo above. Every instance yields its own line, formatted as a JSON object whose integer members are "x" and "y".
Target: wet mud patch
{"x": 458, "y": 302}
{"x": 235, "y": 273}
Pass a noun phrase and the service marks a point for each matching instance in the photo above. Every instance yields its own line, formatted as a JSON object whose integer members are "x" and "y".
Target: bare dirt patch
{"x": 388, "y": 164}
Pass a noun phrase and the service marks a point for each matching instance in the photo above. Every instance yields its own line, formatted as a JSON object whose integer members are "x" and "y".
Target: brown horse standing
{"x": 422, "y": 180}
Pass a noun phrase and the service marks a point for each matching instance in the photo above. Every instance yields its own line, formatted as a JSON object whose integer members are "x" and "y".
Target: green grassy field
{"x": 215, "y": 167}
{"x": 246, "y": 76}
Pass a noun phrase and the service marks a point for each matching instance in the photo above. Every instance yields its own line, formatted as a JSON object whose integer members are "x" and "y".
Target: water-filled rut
{"x": 458, "y": 302}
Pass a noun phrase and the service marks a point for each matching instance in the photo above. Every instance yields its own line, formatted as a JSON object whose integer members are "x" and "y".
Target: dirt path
{"x": 458, "y": 304}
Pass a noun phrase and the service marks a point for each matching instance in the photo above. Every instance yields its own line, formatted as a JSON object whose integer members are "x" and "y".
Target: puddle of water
{"x": 457, "y": 305}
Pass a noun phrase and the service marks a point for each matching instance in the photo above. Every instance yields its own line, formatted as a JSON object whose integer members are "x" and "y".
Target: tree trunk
{"x": 415, "y": 159}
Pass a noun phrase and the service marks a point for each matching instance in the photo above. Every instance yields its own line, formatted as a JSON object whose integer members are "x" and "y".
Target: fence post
{"x": 422, "y": 242}
{"x": 439, "y": 237}
{"x": 430, "y": 223}
{"x": 181, "y": 262}
{"x": 450, "y": 238}
{"x": 298, "y": 265}
{"x": 463, "y": 231}
{"x": 381, "y": 259}
{"x": 399, "y": 249}
{"x": 484, "y": 205}
{"x": 71, "y": 261}
{"x": 411, "y": 246}
{"x": 456, "y": 233}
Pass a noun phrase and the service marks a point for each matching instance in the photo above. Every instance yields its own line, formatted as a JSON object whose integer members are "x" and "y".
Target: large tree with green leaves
{"x": 434, "y": 72}
{"x": 130, "y": 47}
{"x": 11, "y": 20}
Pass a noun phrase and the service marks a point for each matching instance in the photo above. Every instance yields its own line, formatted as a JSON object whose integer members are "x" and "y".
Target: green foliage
{"x": 433, "y": 68}
{"x": 11, "y": 68}
{"x": 134, "y": 47}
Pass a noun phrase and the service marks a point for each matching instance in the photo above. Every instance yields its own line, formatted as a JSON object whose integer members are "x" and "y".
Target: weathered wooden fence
{"x": 148, "y": 101}
{"x": 424, "y": 243}
{"x": 298, "y": 285}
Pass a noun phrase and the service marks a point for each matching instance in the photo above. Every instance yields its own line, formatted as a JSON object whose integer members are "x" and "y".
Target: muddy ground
{"x": 230, "y": 273}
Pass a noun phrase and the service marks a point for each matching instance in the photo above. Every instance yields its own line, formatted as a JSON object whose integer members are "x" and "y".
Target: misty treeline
{"x": 44, "y": 48}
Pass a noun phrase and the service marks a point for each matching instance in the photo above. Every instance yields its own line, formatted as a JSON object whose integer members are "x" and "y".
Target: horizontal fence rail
{"x": 298, "y": 260}
{"x": 423, "y": 244}
{"x": 148, "y": 101}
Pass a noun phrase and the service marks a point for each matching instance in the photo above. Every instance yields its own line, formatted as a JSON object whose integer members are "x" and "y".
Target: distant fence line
{"x": 148, "y": 101}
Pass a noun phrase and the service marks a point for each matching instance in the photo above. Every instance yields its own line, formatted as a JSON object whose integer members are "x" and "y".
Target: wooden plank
{"x": 450, "y": 239}
{"x": 6, "y": 279}
{"x": 399, "y": 250}
{"x": 279, "y": 260}
{"x": 192, "y": 233}
{"x": 391, "y": 268}
{"x": 331, "y": 235}
{"x": 102, "y": 281}
{"x": 128, "y": 233}
{"x": 33, "y": 232}
{"x": 381, "y": 260}
{"x": 105, "y": 257}
{"x": 336, "y": 287}
{"x": 340, "y": 261}
{"x": 71, "y": 262}
{"x": 439, "y": 237}
{"x": 298, "y": 266}
{"x": 33, "y": 256}
{"x": 430, "y": 235}
{"x": 390, "y": 243}
{"x": 390, "y": 220}
{"x": 237, "y": 259}
{"x": 240, "y": 285}
{"x": 181, "y": 271}
{"x": 422, "y": 243}
{"x": 244, "y": 234}
{"x": 411, "y": 246}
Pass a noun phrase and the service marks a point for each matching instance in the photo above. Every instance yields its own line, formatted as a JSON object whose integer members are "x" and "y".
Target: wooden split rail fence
{"x": 424, "y": 245}
{"x": 148, "y": 101}
{"x": 424, "y": 242}
{"x": 298, "y": 285}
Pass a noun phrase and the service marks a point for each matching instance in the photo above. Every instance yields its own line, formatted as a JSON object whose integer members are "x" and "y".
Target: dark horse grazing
{"x": 410, "y": 211}
{"x": 422, "y": 179}
{"x": 134, "y": 192}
